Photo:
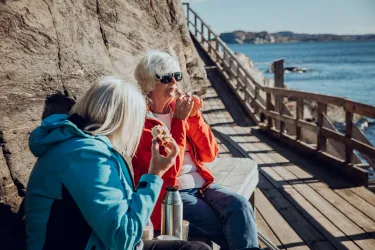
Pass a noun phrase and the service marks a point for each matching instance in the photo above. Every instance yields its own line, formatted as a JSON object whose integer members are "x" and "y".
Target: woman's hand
{"x": 183, "y": 108}
{"x": 198, "y": 103}
{"x": 160, "y": 164}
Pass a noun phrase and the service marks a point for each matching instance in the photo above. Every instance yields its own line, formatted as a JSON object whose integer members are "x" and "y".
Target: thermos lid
{"x": 172, "y": 188}
{"x": 172, "y": 196}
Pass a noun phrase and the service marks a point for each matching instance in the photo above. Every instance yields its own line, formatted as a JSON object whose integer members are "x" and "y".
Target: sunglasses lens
{"x": 178, "y": 76}
{"x": 166, "y": 78}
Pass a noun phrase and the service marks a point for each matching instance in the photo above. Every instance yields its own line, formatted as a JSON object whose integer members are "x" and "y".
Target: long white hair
{"x": 116, "y": 109}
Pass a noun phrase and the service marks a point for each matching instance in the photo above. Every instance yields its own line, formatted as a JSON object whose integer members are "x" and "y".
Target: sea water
{"x": 345, "y": 69}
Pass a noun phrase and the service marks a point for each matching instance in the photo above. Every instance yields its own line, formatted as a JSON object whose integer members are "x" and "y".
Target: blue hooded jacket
{"x": 81, "y": 193}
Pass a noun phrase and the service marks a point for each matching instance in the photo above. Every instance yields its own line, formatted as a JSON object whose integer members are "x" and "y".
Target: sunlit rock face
{"x": 52, "y": 51}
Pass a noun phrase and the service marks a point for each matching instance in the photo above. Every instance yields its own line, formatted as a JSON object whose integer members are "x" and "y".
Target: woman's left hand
{"x": 198, "y": 103}
{"x": 160, "y": 164}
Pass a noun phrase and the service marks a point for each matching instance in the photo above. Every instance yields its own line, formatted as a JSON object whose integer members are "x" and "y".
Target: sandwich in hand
{"x": 161, "y": 135}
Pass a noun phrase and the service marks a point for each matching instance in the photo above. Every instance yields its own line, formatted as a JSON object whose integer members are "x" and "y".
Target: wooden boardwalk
{"x": 299, "y": 204}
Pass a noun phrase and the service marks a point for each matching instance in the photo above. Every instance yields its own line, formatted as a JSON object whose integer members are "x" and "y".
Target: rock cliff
{"x": 50, "y": 53}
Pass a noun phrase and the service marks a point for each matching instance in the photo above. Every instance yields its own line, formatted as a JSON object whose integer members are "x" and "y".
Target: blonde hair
{"x": 116, "y": 109}
{"x": 154, "y": 62}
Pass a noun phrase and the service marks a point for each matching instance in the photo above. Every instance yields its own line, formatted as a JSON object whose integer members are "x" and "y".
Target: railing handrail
{"x": 224, "y": 45}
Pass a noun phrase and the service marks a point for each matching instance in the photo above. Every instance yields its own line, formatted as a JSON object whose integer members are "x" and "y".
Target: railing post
{"x": 202, "y": 32}
{"x": 253, "y": 102}
{"x": 299, "y": 116}
{"x": 280, "y": 111}
{"x": 269, "y": 108}
{"x": 209, "y": 41}
{"x": 195, "y": 25}
{"x": 322, "y": 140}
{"x": 247, "y": 96}
{"x": 187, "y": 12}
{"x": 348, "y": 134}
{"x": 238, "y": 77}
{"x": 279, "y": 83}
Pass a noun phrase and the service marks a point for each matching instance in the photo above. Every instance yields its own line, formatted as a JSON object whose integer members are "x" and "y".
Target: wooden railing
{"x": 265, "y": 105}
{"x": 244, "y": 85}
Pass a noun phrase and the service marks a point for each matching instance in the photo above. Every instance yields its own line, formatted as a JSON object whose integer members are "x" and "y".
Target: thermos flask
{"x": 171, "y": 213}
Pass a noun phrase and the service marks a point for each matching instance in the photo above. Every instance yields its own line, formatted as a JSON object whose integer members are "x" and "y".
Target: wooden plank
{"x": 267, "y": 174}
{"x": 221, "y": 168}
{"x": 360, "y": 108}
{"x": 327, "y": 228}
{"x": 267, "y": 231}
{"x": 334, "y": 235}
{"x": 339, "y": 101}
{"x": 363, "y": 148}
{"x": 347, "y": 226}
{"x": 329, "y": 133}
{"x": 290, "y": 120}
{"x": 287, "y": 236}
{"x": 278, "y": 158}
{"x": 354, "y": 232}
{"x": 356, "y": 216}
{"x": 301, "y": 226}
{"x": 356, "y": 201}
{"x": 356, "y": 174}
{"x": 365, "y": 194}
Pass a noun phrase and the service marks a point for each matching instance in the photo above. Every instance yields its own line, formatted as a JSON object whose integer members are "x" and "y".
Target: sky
{"x": 300, "y": 16}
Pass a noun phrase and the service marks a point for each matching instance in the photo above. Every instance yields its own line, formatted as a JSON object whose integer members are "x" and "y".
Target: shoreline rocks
{"x": 263, "y": 37}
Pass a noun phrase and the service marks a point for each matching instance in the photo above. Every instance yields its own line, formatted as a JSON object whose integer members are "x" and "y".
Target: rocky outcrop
{"x": 240, "y": 36}
{"x": 51, "y": 51}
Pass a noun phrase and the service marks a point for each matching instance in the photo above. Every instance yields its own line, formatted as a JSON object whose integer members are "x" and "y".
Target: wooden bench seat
{"x": 240, "y": 175}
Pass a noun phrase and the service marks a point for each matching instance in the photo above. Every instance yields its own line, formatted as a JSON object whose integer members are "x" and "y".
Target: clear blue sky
{"x": 309, "y": 16}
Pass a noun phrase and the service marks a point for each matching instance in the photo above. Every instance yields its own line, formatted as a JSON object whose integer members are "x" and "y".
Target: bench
{"x": 240, "y": 175}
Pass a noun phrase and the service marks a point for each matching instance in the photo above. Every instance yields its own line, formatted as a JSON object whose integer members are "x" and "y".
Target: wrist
{"x": 180, "y": 118}
{"x": 156, "y": 172}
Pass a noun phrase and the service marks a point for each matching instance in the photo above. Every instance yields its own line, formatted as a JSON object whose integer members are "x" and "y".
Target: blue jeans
{"x": 224, "y": 217}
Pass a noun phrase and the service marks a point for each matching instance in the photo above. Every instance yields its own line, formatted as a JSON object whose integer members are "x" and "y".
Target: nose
{"x": 173, "y": 81}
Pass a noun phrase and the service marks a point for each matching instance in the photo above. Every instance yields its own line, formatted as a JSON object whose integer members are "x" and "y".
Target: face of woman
{"x": 165, "y": 91}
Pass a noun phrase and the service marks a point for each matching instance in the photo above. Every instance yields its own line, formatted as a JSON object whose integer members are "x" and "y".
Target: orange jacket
{"x": 202, "y": 145}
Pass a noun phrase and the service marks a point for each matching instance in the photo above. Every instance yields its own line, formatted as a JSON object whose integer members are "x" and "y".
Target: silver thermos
{"x": 171, "y": 213}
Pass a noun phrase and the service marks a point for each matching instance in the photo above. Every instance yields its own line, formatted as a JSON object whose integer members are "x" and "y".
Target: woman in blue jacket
{"x": 80, "y": 194}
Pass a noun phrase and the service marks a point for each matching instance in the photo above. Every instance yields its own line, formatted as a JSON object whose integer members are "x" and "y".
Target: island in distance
{"x": 240, "y": 37}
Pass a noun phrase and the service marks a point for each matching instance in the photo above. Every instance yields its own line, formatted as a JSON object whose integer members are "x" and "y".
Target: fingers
{"x": 173, "y": 149}
{"x": 155, "y": 148}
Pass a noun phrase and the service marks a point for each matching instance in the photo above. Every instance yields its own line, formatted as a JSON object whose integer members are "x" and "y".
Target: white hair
{"x": 116, "y": 109}
{"x": 154, "y": 62}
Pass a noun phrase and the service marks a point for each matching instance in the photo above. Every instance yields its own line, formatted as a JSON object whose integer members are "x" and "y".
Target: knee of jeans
{"x": 241, "y": 205}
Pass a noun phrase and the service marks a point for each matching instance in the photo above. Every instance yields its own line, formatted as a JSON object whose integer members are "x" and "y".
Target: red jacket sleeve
{"x": 202, "y": 137}
{"x": 142, "y": 158}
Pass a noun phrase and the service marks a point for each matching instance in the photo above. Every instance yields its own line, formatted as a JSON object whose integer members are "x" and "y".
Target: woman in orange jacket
{"x": 212, "y": 210}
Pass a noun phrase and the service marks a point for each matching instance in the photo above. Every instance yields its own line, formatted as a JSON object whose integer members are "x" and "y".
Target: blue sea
{"x": 345, "y": 69}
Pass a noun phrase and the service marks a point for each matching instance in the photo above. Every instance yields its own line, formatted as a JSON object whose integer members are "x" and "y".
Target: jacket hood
{"x": 55, "y": 129}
